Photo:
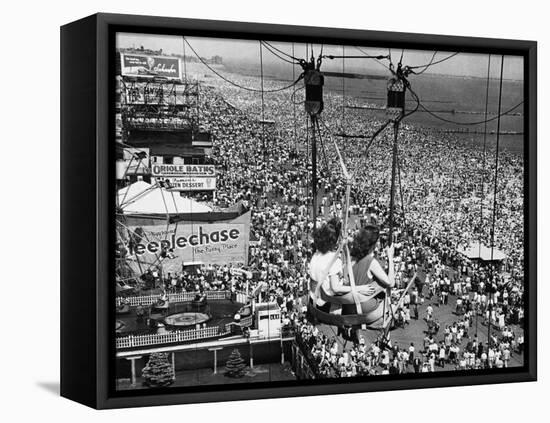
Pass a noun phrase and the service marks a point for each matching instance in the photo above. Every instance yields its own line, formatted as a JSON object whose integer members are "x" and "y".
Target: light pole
{"x": 490, "y": 308}
{"x": 282, "y": 347}
{"x": 477, "y": 314}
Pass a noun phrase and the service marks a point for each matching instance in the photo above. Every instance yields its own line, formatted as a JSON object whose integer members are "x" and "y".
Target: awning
{"x": 144, "y": 198}
{"x": 478, "y": 251}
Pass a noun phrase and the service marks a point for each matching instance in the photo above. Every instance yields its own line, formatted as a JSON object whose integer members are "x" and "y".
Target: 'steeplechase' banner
{"x": 145, "y": 66}
{"x": 220, "y": 242}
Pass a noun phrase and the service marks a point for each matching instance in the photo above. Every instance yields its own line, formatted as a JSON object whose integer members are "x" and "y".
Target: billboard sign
{"x": 190, "y": 183}
{"x": 220, "y": 242}
{"x": 146, "y": 66}
{"x": 186, "y": 177}
{"x": 184, "y": 170}
{"x": 155, "y": 93}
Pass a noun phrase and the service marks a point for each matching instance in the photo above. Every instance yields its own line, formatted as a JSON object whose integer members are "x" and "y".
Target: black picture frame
{"x": 87, "y": 167}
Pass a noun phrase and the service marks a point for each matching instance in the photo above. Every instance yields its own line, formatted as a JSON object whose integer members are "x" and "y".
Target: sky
{"x": 248, "y": 52}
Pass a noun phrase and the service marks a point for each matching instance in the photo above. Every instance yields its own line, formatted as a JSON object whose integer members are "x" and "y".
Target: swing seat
{"x": 370, "y": 318}
{"x": 373, "y": 320}
{"x": 348, "y": 297}
{"x": 378, "y": 319}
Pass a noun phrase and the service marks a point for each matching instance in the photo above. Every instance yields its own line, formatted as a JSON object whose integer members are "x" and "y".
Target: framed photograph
{"x": 255, "y": 211}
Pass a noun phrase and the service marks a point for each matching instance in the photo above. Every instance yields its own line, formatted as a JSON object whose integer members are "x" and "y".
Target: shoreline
{"x": 512, "y": 141}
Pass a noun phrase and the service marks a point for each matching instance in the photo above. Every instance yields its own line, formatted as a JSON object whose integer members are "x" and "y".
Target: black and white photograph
{"x": 301, "y": 211}
{"x": 243, "y": 211}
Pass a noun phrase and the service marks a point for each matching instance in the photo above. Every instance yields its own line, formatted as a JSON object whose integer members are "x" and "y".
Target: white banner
{"x": 219, "y": 243}
{"x": 189, "y": 184}
{"x": 185, "y": 177}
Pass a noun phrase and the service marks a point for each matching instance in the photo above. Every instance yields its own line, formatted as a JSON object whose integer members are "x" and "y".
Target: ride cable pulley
{"x": 313, "y": 81}
{"x": 395, "y": 107}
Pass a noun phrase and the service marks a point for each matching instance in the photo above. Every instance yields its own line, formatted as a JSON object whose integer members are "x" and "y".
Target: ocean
{"x": 459, "y": 99}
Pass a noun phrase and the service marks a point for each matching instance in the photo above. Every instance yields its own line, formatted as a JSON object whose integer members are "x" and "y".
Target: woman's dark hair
{"x": 325, "y": 238}
{"x": 364, "y": 242}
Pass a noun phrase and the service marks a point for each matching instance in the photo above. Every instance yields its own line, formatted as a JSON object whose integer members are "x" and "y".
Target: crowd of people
{"x": 456, "y": 349}
{"x": 262, "y": 155}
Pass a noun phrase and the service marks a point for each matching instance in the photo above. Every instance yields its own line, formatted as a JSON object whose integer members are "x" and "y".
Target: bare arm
{"x": 336, "y": 286}
{"x": 339, "y": 288}
{"x": 386, "y": 280}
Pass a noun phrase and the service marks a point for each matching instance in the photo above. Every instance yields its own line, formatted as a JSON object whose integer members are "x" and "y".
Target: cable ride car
{"x": 347, "y": 295}
{"x": 343, "y": 294}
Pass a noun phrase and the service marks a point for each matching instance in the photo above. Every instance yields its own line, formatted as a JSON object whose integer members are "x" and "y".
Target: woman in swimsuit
{"x": 326, "y": 269}
{"x": 368, "y": 272}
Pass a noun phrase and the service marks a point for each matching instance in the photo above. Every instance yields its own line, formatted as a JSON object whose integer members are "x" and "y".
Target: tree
{"x": 235, "y": 365}
{"x": 158, "y": 371}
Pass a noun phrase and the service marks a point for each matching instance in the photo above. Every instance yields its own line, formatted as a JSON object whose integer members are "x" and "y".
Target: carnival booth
{"x": 482, "y": 253}
{"x": 268, "y": 320}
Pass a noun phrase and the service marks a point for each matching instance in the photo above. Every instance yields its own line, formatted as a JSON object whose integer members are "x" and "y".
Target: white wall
{"x": 30, "y": 147}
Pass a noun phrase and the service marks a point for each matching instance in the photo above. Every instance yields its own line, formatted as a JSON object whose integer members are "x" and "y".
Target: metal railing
{"x": 180, "y": 336}
{"x": 133, "y": 341}
{"x": 179, "y": 297}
